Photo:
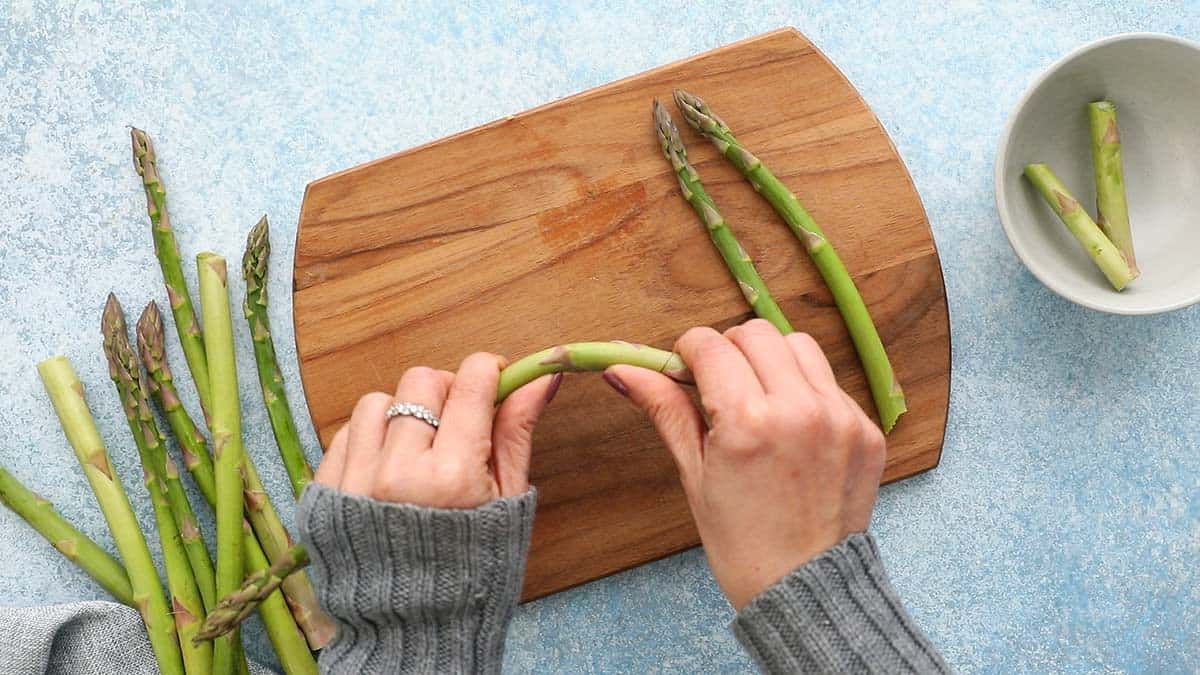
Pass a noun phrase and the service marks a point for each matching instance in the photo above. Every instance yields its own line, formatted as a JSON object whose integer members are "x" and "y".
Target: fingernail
{"x": 555, "y": 382}
{"x": 616, "y": 383}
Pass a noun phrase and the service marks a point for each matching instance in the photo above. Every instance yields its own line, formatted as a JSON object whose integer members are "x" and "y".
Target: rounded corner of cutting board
{"x": 394, "y": 267}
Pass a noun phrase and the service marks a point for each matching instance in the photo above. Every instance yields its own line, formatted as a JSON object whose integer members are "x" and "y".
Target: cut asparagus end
{"x": 1099, "y": 248}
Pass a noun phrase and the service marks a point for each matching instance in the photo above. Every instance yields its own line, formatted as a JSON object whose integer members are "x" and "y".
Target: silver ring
{"x": 413, "y": 410}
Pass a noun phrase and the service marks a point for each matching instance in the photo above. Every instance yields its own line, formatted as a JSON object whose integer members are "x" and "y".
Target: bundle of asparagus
{"x": 1107, "y": 240}
{"x": 250, "y": 537}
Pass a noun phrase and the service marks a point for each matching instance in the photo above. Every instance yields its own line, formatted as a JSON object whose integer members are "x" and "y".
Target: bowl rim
{"x": 1002, "y": 207}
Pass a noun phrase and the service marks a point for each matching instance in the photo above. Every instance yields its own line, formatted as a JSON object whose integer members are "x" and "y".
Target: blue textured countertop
{"x": 1061, "y": 531}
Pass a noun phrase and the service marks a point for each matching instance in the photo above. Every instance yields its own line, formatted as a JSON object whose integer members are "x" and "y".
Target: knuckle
{"x": 419, "y": 375}
{"x": 804, "y": 343}
{"x": 760, "y": 327}
{"x": 754, "y": 417}
{"x": 696, "y": 336}
{"x": 371, "y": 403}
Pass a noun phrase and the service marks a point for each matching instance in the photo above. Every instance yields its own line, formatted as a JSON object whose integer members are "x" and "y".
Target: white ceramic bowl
{"x": 1155, "y": 82}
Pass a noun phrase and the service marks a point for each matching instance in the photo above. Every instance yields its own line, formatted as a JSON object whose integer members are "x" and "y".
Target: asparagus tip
{"x": 143, "y": 149}
{"x": 112, "y": 319}
{"x": 258, "y": 251}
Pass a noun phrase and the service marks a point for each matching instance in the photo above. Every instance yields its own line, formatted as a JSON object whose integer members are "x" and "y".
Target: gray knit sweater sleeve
{"x": 837, "y": 613}
{"x": 414, "y": 589}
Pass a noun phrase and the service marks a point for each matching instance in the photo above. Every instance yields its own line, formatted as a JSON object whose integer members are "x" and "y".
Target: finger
{"x": 769, "y": 355}
{"x": 466, "y": 428}
{"x": 329, "y": 471}
{"x": 512, "y": 434}
{"x": 364, "y": 442}
{"x": 723, "y": 376}
{"x": 671, "y": 411}
{"x": 422, "y": 386}
{"x": 813, "y": 363}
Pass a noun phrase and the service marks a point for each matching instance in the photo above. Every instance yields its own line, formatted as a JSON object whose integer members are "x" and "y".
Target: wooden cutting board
{"x": 565, "y": 223}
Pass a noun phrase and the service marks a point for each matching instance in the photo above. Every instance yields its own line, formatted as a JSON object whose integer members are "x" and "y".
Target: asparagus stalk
{"x": 735, "y": 257}
{"x": 885, "y": 388}
{"x": 181, "y": 508}
{"x": 66, "y": 393}
{"x": 225, "y": 423}
{"x": 187, "y": 606}
{"x": 167, "y": 251}
{"x": 1112, "y": 210}
{"x": 235, "y": 607}
{"x": 1101, "y": 250}
{"x": 588, "y": 356}
{"x": 254, "y": 270}
{"x": 73, "y": 544}
{"x": 276, "y": 615}
{"x": 317, "y": 627}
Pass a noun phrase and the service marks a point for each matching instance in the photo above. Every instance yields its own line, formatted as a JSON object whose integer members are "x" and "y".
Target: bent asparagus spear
{"x": 73, "y": 544}
{"x": 735, "y": 257}
{"x": 1101, "y": 250}
{"x": 885, "y": 388}
{"x": 573, "y": 357}
{"x": 66, "y": 393}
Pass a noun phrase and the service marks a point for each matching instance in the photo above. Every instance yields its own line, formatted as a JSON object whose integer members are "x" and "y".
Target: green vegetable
{"x": 73, "y": 544}
{"x": 167, "y": 252}
{"x": 66, "y": 393}
{"x": 228, "y": 452}
{"x": 187, "y": 606}
{"x": 1112, "y": 210}
{"x": 1101, "y": 250}
{"x": 885, "y": 388}
{"x": 254, "y": 271}
{"x": 735, "y": 257}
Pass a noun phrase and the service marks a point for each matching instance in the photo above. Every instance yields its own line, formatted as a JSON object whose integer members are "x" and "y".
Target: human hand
{"x": 786, "y": 466}
{"x": 477, "y": 453}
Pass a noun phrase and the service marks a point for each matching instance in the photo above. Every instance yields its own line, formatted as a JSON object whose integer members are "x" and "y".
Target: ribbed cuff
{"x": 415, "y": 589}
{"x": 836, "y": 613}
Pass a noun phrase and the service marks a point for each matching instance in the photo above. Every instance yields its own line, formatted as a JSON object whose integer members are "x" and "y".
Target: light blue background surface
{"x": 1061, "y": 531}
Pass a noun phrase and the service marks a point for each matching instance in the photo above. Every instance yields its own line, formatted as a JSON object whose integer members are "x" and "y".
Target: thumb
{"x": 512, "y": 433}
{"x": 669, "y": 408}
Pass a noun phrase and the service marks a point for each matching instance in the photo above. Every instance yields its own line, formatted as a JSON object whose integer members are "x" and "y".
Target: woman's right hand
{"x": 786, "y": 466}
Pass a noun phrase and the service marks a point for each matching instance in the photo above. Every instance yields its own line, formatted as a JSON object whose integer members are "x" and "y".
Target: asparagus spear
{"x": 73, "y": 544}
{"x": 588, "y": 356}
{"x": 1101, "y": 250}
{"x": 1112, "y": 210}
{"x": 736, "y": 259}
{"x": 225, "y": 423}
{"x": 885, "y": 388}
{"x": 181, "y": 508}
{"x": 126, "y": 374}
{"x": 66, "y": 393}
{"x": 235, "y": 607}
{"x": 289, "y": 644}
{"x": 167, "y": 251}
{"x": 254, "y": 270}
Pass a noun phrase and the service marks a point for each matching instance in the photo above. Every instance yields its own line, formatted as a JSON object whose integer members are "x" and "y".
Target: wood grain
{"x": 564, "y": 223}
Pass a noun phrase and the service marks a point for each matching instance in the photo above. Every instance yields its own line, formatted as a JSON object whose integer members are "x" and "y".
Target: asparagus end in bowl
{"x": 1154, "y": 83}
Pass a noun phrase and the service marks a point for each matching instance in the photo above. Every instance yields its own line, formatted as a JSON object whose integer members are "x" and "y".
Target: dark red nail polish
{"x": 555, "y": 382}
{"x": 616, "y": 383}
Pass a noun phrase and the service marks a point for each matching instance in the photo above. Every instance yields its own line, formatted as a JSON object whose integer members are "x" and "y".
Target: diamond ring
{"x": 416, "y": 410}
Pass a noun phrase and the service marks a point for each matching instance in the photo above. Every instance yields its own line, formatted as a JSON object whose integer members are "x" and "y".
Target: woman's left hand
{"x": 477, "y": 453}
